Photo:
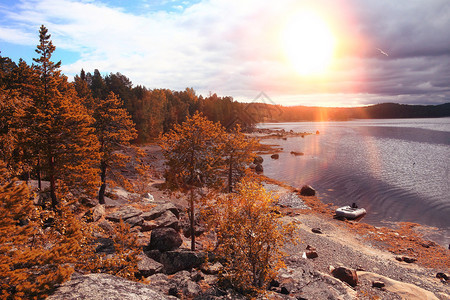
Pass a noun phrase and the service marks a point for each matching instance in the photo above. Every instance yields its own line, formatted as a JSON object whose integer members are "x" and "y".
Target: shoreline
{"x": 401, "y": 241}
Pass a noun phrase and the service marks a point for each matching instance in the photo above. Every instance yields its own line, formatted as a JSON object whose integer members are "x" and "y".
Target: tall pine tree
{"x": 61, "y": 131}
{"x": 114, "y": 129}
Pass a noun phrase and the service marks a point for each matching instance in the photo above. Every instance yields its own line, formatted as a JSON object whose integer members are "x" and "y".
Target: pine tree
{"x": 237, "y": 153}
{"x": 114, "y": 129}
{"x": 60, "y": 132}
{"x": 192, "y": 151}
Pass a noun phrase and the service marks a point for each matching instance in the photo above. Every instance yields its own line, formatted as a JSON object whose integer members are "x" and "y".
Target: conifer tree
{"x": 193, "y": 154}
{"x": 237, "y": 153}
{"x": 64, "y": 143}
{"x": 114, "y": 129}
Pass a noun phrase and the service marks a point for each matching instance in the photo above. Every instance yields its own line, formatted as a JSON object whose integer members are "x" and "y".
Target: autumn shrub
{"x": 250, "y": 236}
{"x": 39, "y": 249}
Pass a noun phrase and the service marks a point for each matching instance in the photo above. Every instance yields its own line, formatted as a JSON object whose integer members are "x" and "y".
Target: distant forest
{"x": 155, "y": 111}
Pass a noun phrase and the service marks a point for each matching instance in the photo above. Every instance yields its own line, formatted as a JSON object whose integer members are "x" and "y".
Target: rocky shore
{"x": 334, "y": 260}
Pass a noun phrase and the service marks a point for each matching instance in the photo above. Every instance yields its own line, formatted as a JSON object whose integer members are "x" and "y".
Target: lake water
{"x": 397, "y": 169}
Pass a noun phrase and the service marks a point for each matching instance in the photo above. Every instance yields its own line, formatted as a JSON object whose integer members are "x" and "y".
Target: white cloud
{"x": 233, "y": 47}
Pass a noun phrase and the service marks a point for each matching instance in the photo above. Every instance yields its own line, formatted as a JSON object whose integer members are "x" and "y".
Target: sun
{"x": 309, "y": 43}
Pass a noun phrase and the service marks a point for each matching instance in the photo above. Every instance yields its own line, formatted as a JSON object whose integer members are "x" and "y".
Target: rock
{"x": 100, "y": 286}
{"x": 259, "y": 168}
{"x": 258, "y": 160}
{"x": 197, "y": 276}
{"x": 173, "y": 291}
{"x": 105, "y": 245}
{"x": 158, "y": 210}
{"x": 159, "y": 282}
{"x": 98, "y": 212}
{"x": 275, "y": 156}
{"x": 346, "y": 275}
{"x": 89, "y": 202}
{"x": 124, "y": 213}
{"x": 406, "y": 259}
{"x": 164, "y": 239}
{"x": 148, "y": 197}
{"x": 167, "y": 219}
{"x": 404, "y": 290}
{"x": 378, "y": 284}
{"x": 307, "y": 190}
{"x": 135, "y": 221}
{"x": 297, "y": 153}
{"x": 106, "y": 226}
{"x": 211, "y": 269}
{"x": 317, "y": 230}
{"x": 147, "y": 266}
{"x": 428, "y": 244}
{"x": 148, "y": 226}
{"x": 191, "y": 289}
{"x": 441, "y": 275}
{"x": 311, "y": 252}
{"x": 175, "y": 261}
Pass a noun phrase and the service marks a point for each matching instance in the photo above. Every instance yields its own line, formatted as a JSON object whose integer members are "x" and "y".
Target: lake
{"x": 398, "y": 169}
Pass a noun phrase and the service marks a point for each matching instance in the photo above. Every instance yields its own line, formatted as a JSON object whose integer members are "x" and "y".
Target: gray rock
{"x": 175, "y": 261}
{"x": 124, "y": 213}
{"x": 167, "y": 219}
{"x": 105, "y": 245}
{"x": 164, "y": 239}
{"x": 104, "y": 286}
{"x": 135, "y": 221}
{"x": 98, "y": 212}
{"x": 148, "y": 197}
{"x": 148, "y": 226}
{"x": 158, "y": 210}
{"x": 106, "y": 226}
{"x": 148, "y": 266}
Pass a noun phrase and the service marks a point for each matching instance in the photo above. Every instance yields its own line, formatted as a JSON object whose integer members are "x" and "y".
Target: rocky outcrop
{"x": 404, "y": 290}
{"x": 164, "y": 239}
{"x": 104, "y": 286}
{"x": 159, "y": 210}
{"x": 302, "y": 281}
{"x": 124, "y": 213}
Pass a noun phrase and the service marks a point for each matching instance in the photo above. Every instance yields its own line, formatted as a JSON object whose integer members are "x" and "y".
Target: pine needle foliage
{"x": 250, "y": 236}
{"x": 38, "y": 249}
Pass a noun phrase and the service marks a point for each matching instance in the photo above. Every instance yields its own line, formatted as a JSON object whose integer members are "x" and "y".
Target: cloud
{"x": 233, "y": 47}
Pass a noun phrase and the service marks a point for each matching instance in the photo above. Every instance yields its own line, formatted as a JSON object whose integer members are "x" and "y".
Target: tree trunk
{"x": 38, "y": 167}
{"x": 192, "y": 219}
{"x": 52, "y": 182}
{"x": 101, "y": 192}
{"x": 230, "y": 175}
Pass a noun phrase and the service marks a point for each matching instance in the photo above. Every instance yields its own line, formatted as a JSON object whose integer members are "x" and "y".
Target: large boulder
{"x": 124, "y": 213}
{"x": 164, "y": 239}
{"x": 159, "y": 210}
{"x": 175, "y": 261}
{"x": 307, "y": 190}
{"x": 346, "y": 275}
{"x": 100, "y": 286}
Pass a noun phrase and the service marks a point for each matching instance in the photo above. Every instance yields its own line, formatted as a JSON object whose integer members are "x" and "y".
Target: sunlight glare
{"x": 309, "y": 43}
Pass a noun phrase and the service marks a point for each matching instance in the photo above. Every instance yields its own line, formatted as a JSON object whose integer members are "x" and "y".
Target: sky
{"x": 298, "y": 52}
